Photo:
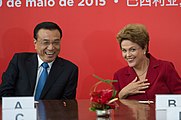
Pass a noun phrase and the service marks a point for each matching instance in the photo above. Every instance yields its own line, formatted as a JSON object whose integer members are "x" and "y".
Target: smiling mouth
{"x": 130, "y": 59}
{"x": 49, "y": 53}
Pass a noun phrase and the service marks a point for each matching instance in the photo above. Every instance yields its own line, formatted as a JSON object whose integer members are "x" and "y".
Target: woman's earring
{"x": 144, "y": 53}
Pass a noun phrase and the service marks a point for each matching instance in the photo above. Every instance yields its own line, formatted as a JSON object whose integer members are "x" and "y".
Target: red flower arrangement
{"x": 103, "y": 99}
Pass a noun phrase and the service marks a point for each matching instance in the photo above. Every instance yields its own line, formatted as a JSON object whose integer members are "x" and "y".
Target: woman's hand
{"x": 134, "y": 87}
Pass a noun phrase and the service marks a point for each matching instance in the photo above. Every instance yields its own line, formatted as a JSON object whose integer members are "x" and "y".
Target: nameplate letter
{"x": 19, "y": 114}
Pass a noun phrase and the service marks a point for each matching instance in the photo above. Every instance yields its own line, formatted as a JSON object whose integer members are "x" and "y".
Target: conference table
{"x": 79, "y": 110}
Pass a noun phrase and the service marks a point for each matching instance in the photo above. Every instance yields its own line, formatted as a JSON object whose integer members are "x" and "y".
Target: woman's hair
{"x": 135, "y": 33}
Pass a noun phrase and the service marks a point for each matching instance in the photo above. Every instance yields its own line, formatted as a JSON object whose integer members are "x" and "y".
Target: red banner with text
{"x": 89, "y": 32}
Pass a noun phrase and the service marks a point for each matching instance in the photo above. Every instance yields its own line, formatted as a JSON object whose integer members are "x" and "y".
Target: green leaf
{"x": 103, "y": 80}
{"x": 92, "y": 109}
{"x": 114, "y": 93}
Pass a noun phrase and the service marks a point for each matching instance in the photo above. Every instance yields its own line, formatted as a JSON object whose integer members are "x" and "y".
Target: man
{"x": 23, "y": 74}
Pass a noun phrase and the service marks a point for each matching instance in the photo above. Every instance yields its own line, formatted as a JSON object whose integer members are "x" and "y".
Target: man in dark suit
{"x": 22, "y": 75}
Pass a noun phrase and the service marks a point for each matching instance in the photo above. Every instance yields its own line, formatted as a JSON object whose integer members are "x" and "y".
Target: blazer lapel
{"x": 31, "y": 66}
{"x": 55, "y": 71}
{"x": 130, "y": 75}
{"x": 152, "y": 72}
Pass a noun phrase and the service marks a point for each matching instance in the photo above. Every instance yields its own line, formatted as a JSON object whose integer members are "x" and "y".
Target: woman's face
{"x": 132, "y": 53}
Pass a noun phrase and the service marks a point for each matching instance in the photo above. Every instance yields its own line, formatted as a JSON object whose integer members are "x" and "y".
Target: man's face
{"x": 47, "y": 44}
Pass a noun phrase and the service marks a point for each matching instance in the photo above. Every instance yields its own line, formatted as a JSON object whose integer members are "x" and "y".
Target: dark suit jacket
{"x": 20, "y": 78}
{"x": 161, "y": 75}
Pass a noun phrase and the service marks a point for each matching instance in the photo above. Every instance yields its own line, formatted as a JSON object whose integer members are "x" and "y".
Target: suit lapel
{"x": 55, "y": 71}
{"x": 31, "y": 67}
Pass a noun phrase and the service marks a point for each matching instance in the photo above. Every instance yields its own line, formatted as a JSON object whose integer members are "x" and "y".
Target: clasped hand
{"x": 134, "y": 87}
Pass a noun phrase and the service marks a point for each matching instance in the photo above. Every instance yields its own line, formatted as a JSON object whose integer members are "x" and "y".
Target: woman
{"x": 145, "y": 75}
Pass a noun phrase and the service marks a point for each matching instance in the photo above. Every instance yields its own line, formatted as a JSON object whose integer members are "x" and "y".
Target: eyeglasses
{"x": 46, "y": 43}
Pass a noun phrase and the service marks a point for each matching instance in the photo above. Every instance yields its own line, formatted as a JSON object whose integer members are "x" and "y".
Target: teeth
{"x": 49, "y": 53}
{"x": 130, "y": 59}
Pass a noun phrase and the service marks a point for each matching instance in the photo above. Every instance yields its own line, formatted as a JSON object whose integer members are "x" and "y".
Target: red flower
{"x": 103, "y": 99}
{"x": 102, "y": 96}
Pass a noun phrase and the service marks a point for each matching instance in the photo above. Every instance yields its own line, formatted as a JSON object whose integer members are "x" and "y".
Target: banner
{"x": 89, "y": 32}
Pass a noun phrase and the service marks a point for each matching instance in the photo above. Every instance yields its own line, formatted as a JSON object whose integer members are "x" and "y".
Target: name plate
{"x": 168, "y": 107}
{"x": 167, "y": 101}
{"x": 12, "y": 102}
{"x": 174, "y": 114}
{"x": 18, "y": 108}
{"x": 17, "y": 114}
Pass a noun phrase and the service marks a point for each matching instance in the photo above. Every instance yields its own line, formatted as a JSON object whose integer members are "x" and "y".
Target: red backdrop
{"x": 89, "y": 32}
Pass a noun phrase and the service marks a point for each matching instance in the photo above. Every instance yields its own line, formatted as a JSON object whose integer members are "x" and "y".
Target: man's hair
{"x": 136, "y": 33}
{"x": 48, "y": 26}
